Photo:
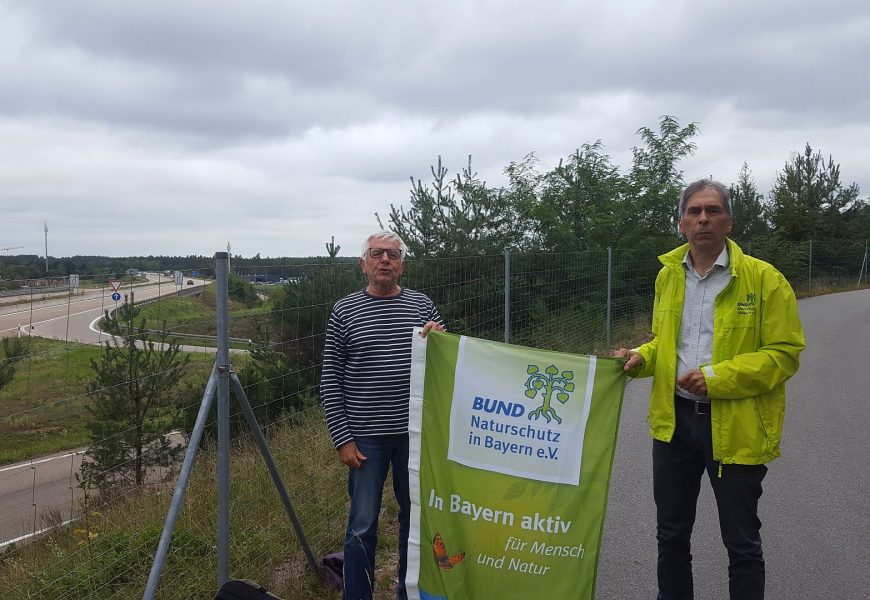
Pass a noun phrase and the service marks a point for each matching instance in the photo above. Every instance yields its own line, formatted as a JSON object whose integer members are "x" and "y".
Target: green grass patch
{"x": 175, "y": 312}
{"x": 821, "y": 287}
{"x": 42, "y": 410}
{"x": 198, "y": 316}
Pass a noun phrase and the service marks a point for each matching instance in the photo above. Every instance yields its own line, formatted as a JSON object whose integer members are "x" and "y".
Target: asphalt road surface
{"x": 815, "y": 509}
{"x": 71, "y": 318}
{"x": 36, "y": 495}
{"x": 46, "y": 487}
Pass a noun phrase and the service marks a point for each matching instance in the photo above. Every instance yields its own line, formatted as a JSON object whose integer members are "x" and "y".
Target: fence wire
{"x": 62, "y": 539}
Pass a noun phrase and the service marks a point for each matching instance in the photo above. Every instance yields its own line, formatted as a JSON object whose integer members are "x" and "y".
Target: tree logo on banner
{"x": 546, "y": 384}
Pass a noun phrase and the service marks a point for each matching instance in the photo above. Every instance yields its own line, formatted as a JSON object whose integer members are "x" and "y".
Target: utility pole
{"x": 46, "y": 246}
{"x": 229, "y": 257}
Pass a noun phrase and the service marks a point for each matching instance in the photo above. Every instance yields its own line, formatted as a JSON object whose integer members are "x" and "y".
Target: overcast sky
{"x": 174, "y": 127}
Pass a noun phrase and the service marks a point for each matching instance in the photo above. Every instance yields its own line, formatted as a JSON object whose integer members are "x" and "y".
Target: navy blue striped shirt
{"x": 365, "y": 387}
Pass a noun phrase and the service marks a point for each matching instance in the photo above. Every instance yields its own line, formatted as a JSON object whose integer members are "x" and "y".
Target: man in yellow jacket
{"x": 727, "y": 336}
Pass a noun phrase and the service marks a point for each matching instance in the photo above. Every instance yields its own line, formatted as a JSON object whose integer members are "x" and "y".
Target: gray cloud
{"x": 280, "y": 124}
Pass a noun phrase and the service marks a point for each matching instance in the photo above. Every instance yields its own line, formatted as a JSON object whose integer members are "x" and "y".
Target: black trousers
{"x": 677, "y": 470}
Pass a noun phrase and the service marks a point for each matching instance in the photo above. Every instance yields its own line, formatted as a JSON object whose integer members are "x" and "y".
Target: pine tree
{"x": 747, "y": 207}
{"x": 132, "y": 405}
{"x": 14, "y": 349}
{"x": 809, "y": 200}
{"x": 456, "y": 217}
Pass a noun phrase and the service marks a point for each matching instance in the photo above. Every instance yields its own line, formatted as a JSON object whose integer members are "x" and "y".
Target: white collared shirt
{"x": 695, "y": 344}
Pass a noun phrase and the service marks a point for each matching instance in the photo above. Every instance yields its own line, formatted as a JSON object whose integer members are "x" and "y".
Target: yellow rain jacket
{"x": 757, "y": 339}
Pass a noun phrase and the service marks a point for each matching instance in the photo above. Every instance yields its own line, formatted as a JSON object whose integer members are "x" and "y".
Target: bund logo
{"x": 546, "y": 384}
{"x": 748, "y": 307}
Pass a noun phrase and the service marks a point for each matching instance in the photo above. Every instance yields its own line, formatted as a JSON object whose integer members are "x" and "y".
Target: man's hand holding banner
{"x": 511, "y": 451}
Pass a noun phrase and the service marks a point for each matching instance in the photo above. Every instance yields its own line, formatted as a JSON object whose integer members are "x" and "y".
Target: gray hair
{"x": 705, "y": 184}
{"x": 384, "y": 235}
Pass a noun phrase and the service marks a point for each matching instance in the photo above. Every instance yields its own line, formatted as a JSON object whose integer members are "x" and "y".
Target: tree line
{"x": 30, "y": 266}
{"x": 587, "y": 202}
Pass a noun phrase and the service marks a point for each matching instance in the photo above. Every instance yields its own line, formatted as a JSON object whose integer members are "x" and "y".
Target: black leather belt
{"x": 698, "y": 407}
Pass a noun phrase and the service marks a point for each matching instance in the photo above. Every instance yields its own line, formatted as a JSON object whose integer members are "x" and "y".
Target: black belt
{"x": 699, "y": 407}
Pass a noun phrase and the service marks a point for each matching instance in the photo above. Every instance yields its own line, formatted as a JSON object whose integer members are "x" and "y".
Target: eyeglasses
{"x": 392, "y": 253}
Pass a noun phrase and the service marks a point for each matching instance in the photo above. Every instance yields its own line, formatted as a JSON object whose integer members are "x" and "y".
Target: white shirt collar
{"x": 722, "y": 260}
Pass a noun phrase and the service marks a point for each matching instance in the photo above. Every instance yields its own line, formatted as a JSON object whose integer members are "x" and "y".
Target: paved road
{"x": 37, "y": 494}
{"x": 47, "y": 486}
{"x": 70, "y": 317}
{"x": 32, "y": 491}
{"x": 816, "y": 503}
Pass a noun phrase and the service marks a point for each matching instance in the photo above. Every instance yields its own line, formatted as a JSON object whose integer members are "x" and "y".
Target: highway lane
{"x": 71, "y": 318}
{"x": 37, "y": 494}
{"x": 47, "y": 486}
{"x": 22, "y": 304}
{"x": 40, "y": 493}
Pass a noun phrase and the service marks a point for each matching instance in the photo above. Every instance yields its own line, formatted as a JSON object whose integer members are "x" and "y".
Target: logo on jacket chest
{"x": 747, "y": 307}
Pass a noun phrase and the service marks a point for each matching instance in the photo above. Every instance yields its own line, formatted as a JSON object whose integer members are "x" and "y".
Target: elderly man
{"x": 727, "y": 337}
{"x": 365, "y": 390}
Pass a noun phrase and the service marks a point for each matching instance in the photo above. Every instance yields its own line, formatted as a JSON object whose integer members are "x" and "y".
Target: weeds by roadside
{"x": 107, "y": 552}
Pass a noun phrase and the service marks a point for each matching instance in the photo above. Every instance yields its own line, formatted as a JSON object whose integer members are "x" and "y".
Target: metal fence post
{"x": 181, "y": 486}
{"x": 609, "y": 289}
{"x": 810, "y": 284}
{"x": 863, "y": 271}
{"x": 507, "y": 296}
{"x": 223, "y": 411}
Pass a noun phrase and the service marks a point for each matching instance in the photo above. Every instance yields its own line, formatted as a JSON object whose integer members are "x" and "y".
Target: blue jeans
{"x": 677, "y": 470}
{"x": 366, "y": 488}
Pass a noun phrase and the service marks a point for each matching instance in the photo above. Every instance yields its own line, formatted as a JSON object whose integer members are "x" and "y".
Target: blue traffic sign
{"x": 116, "y": 296}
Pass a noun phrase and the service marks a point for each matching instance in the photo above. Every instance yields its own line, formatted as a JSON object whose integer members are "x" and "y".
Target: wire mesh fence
{"x": 64, "y": 538}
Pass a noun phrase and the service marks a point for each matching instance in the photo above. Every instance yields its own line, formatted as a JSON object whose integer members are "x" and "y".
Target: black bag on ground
{"x": 331, "y": 569}
{"x": 243, "y": 589}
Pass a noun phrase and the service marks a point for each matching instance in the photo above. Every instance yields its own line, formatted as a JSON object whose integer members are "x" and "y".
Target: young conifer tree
{"x": 132, "y": 405}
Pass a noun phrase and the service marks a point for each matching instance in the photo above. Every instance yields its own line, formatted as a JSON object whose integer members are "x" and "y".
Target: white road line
{"x": 66, "y": 316}
{"x": 39, "y": 462}
{"x": 34, "y": 534}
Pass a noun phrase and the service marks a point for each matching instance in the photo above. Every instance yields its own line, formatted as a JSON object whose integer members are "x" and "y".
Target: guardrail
{"x": 36, "y": 290}
{"x": 195, "y": 336}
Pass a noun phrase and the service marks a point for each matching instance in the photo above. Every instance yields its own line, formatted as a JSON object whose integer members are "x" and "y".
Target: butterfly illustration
{"x": 445, "y": 561}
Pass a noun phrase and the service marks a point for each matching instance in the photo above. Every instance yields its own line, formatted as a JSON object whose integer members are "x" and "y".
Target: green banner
{"x": 511, "y": 452}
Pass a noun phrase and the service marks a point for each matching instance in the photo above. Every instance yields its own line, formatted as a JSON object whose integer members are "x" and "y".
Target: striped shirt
{"x": 365, "y": 387}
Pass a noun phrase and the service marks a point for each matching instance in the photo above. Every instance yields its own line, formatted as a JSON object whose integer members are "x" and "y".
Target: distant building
{"x": 42, "y": 283}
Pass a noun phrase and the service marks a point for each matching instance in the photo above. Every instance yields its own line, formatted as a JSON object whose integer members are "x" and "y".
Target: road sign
{"x": 116, "y": 296}
{"x": 115, "y": 284}
{"x": 179, "y": 278}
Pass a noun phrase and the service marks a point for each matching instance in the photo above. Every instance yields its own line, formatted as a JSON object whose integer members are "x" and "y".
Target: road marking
{"x": 87, "y": 310}
{"x": 34, "y": 534}
{"x": 40, "y": 461}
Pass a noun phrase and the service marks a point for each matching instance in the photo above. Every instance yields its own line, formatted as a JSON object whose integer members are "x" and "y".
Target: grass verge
{"x": 108, "y": 552}
{"x": 42, "y": 410}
